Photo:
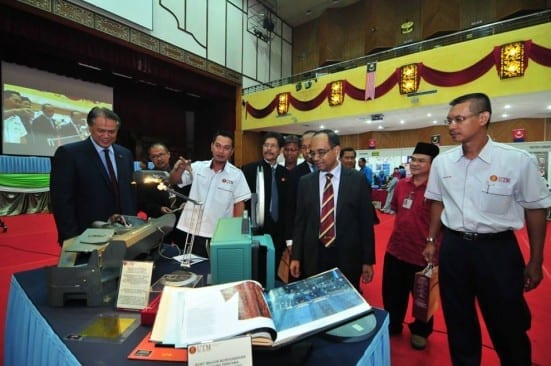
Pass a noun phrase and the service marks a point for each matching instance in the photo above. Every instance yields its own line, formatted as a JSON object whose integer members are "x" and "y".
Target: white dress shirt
{"x": 489, "y": 193}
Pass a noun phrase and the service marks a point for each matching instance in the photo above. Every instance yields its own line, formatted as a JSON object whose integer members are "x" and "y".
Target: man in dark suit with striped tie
{"x": 334, "y": 217}
{"x": 91, "y": 180}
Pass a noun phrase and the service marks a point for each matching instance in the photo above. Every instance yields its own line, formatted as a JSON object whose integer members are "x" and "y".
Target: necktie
{"x": 327, "y": 221}
{"x": 274, "y": 198}
{"x": 113, "y": 178}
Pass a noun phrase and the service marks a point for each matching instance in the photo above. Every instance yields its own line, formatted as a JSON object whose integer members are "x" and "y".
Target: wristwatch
{"x": 429, "y": 239}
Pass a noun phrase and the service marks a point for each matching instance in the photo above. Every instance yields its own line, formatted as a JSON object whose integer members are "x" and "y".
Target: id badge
{"x": 407, "y": 203}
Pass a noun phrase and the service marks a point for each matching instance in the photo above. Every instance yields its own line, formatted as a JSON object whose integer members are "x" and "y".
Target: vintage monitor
{"x": 235, "y": 254}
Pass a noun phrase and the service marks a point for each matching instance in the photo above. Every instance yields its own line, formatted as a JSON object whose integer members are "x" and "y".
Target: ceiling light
{"x": 336, "y": 131}
{"x": 429, "y": 114}
{"x": 89, "y": 66}
{"x": 322, "y": 126}
{"x": 434, "y": 121}
{"x": 122, "y": 75}
{"x": 402, "y": 121}
{"x": 507, "y": 106}
{"x": 504, "y": 115}
{"x": 380, "y": 127}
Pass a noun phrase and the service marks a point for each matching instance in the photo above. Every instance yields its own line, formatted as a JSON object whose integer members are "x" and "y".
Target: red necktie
{"x": 327, "y": 222}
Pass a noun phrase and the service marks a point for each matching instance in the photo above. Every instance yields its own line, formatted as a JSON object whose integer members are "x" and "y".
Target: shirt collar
{"x": 271, "y": 166}
{"x": 100, "y": 149}
{"x": 486, "y": 152}
{"x": 336, "y": 171}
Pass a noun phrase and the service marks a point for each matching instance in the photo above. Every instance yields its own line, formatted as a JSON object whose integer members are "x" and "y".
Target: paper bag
{"x": 426, "y": 293}
{"x": 283, "y": 269}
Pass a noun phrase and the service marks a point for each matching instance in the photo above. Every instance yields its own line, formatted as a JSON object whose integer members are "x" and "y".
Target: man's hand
{"x": 428, "y": 252}
{"x": 182, "y": 164}
{"x": 532, "y": 276}
{"x": 367, "y": 273}
{"x": 294, "y": 268}
{"x": 177, "y": 170}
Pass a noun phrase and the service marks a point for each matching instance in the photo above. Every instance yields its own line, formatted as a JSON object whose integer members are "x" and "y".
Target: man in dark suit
{"x": 347, "y": 240}
{"x": 274, "y": 209}
{"x": 82, "y": 188}
{"x": 44, "y": 129}
{"x": 306, "y": 167}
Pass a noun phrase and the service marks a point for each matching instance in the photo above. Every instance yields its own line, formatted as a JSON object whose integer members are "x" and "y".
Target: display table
{"x": 36, "y": 334}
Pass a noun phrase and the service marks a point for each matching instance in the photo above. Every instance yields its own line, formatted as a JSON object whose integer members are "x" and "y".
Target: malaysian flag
{"x": 370, "y": 81}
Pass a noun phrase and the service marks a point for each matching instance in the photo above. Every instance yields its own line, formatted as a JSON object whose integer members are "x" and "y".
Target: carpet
{"x": 31, "y": 242}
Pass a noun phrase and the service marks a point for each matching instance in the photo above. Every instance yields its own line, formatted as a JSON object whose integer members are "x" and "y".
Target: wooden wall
{"x": 369, "y": 26}
{"x": 499, "y": 131}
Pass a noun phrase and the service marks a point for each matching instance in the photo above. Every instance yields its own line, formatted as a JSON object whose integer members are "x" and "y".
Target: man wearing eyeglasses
{"x": 481, "y": 192}
{"x": 291, "y": 150}
{"x": 334, "y": 217}
{"x": 151, "y": 200}
{"x": 404, "y": 252}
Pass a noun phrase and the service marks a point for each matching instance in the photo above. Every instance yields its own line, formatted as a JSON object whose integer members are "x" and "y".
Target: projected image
{"x": 38, "y": 119}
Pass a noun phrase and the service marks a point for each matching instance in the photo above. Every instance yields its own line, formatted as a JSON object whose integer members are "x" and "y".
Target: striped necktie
{"x": 113, "y": 178}
{"x": 327, "y": 221}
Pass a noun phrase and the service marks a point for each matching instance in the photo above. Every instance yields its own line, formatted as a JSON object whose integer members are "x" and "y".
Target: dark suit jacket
{"x": 355, "y": 239}
{"x": 275, "y": 229}
{"x": 81, "y": 191}
{"x": 294, "y": 176}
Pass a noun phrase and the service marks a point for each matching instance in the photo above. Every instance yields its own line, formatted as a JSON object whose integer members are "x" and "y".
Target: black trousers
{"x": 492, "y": 273}
{"x": 398, "y": 277}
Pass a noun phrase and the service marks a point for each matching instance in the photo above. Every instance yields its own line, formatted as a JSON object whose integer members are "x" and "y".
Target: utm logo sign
{"x": 519, "y": 135}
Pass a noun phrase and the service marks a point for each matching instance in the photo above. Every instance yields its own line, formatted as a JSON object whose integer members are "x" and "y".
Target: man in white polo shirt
{"x": 481, "y": 192}
{"x": 217, "y": 184}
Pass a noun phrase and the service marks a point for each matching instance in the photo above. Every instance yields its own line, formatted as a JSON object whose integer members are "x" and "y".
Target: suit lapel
{"x": 343, "y": 192}
{"x": 99, "y": 164}
{"x": 315, "y": 188}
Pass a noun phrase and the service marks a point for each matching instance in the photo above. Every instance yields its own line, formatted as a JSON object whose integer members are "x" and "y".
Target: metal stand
{"x": 195, "y": 224}
{"x": 160, "y": 178}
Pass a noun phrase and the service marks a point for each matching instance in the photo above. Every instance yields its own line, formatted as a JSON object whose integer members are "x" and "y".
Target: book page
{"x": 314, "y": 304}
{"x": 212, "y": 313}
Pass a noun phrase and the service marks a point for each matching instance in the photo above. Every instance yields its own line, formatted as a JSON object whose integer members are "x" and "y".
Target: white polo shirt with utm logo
{"x": 217, "y": 191}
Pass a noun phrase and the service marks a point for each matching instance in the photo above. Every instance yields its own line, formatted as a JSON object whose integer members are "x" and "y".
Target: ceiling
{"x": 296, "y": 12}
{"x": 536, "y": 105}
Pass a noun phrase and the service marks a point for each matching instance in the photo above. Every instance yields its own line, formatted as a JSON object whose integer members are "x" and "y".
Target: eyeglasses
{"x": 159, "y": 155}
{"x": 418, "y": 160}
{"x": 459, "y": 119}
{"x": 321, "y": 152}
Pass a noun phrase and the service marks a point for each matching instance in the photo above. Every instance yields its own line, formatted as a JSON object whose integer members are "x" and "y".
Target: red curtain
{"x": 537, "y": 53}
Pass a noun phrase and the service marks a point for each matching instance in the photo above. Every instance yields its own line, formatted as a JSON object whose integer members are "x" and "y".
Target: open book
{"x": 280, "y": 316}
